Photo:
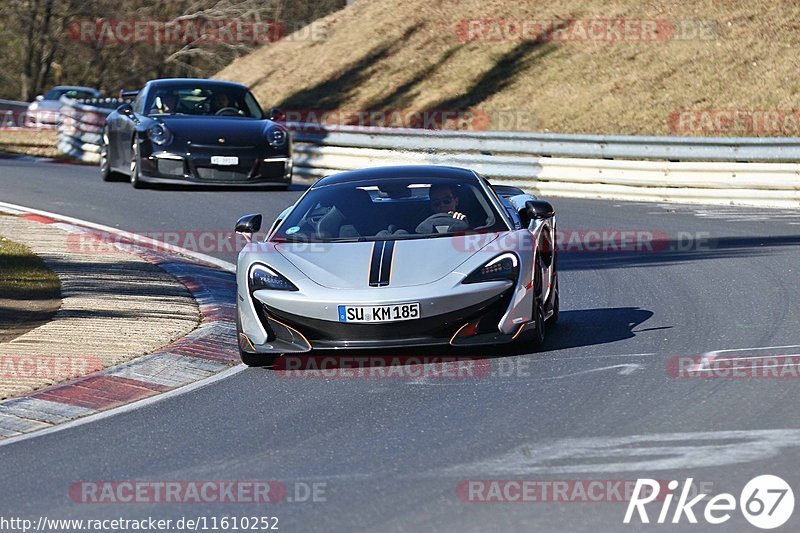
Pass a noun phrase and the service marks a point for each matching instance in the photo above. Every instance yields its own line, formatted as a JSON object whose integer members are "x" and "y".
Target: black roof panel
{"x": 399, "y": 172}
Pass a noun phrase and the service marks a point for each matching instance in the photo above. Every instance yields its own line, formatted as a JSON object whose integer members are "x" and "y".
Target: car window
{"x": 138, "y": 103}
{"x": 55, "y": 94}
{"x": 389, "y": 210}
{"x": 203, "y": 100}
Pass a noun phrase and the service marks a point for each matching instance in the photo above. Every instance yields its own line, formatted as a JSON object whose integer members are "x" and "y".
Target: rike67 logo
{"x": 766, "y": 502}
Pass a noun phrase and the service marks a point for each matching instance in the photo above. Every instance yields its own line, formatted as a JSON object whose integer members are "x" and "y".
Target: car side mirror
{"x": 275, "y": 114}
{"x": 535, "y": 210}
{"x": 126, "y": 110}
{"x": 39, "y": 97}
{"x": 249, "y": 224}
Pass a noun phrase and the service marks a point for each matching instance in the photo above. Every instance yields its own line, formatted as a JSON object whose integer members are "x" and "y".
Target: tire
{"x": 105, "y": 163}
{"x": 136, "y": 164}
{"x": 538, "y": 330}
{"x": 105, "y": 166}
{"x": 538, "y": 312}
{"x": 556, "y": 304}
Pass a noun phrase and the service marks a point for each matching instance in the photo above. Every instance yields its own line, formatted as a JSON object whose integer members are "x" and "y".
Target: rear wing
{"x": 128, "y": 94}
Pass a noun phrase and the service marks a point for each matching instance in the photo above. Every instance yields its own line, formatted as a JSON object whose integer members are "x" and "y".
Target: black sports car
{"x": 204, "y": 132}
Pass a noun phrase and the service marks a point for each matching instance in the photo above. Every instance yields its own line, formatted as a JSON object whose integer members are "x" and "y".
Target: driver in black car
{"x": 221, "y": 101}
{"x": 444, "y": 200}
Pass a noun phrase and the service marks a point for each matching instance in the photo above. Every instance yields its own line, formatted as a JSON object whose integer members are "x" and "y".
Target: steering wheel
{"x": 441, "y": 219}
{"x": 227, "y": 111}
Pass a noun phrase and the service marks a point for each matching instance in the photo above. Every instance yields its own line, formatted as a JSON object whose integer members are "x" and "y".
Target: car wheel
{"x": 136, "y": 171}
{"x": 105, "y": 165}
{"x": 556, "y": 303}
{"x": 537, "y": 333}
{"x": 538, "y": 313}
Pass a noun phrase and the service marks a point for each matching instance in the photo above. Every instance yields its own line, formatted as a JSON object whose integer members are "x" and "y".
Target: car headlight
{"x": 263, "y": 277}
{"x": 502, "y": 267}
{"x": 277, "y": 137}
{"x": 159, "y": 134}
{"x": 34, "y": 106}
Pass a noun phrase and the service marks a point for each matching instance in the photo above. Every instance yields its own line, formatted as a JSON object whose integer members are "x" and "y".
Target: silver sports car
{"x": 397, "y": 257}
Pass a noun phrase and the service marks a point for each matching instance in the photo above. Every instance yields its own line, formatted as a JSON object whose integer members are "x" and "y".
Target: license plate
{"x": 224, "y": 160}
{"x": 378, "y": 313}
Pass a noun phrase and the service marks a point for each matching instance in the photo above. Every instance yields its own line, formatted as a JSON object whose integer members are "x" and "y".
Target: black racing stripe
{"x": 375, "y": 263}
{"x": 386, "y": 264}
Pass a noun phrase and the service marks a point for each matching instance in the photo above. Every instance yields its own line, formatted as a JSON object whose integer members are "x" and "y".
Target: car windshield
{"x": 400, "y": 208}
{"x": 55, "y": 94}
{"x": 205, "y": 100}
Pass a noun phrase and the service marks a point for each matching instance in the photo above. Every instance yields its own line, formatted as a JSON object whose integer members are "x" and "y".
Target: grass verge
{"x": 29, "y": 290}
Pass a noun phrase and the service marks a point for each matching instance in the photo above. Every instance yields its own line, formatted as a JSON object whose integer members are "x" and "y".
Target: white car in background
{"x": 44, "y": 111}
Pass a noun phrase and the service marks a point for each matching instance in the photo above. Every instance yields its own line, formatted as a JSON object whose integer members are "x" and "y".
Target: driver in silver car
{"x": 446, "y": 217}
{"x": 444, "y": 200}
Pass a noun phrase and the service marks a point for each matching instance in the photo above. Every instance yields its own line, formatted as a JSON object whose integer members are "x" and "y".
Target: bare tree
{"x": 41, "y": 47}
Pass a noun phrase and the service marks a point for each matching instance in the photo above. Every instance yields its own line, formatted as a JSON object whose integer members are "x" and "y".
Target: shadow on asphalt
{"x": 666, "y": 252}
{"x": 586, "y": 327}
{"x": 295, "y": 187}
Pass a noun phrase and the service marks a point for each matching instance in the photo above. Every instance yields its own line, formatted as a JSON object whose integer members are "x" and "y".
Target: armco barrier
{"x": 12, "y": 113}
{"x": 735, "y": 171}
{"x": 80, "y": 127}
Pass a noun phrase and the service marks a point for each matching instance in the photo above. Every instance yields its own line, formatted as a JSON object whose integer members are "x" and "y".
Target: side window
{"x": 138, "y": 103}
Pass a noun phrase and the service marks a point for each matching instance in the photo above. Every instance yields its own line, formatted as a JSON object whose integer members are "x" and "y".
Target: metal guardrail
{"x": 746, "y": 171}
{"x": 12, "y": 113}
{"x": 743, "y": 171}
{"x": 80, "y": 126}
{"x": 730, "y": 149}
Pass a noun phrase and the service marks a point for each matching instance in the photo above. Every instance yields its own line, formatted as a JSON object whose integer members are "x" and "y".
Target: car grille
{"x": 439, "y": 327}
{"x": 170, "y": 167}
{"x": 216, "y": 174}
{"x": 272, "y": 168}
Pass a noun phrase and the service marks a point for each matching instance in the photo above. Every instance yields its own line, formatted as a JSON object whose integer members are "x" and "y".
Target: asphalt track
{"x": 595, "y": 402}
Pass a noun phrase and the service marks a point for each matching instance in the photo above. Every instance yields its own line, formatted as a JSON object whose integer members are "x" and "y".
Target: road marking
{"x": 634, "y": 453}
{"x": 734, "y": 213}
{"x": 626, "y": 369}
{"x": 708, "y": 358}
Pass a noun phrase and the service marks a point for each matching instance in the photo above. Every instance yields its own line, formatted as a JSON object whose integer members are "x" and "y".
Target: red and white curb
{"x": 200, "y": 356}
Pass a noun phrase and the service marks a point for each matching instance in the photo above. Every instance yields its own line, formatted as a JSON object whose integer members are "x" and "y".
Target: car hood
{"x": 348, "y": 265}
{"x": 48, "y": 105}
{"x": 208, "y": 130}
